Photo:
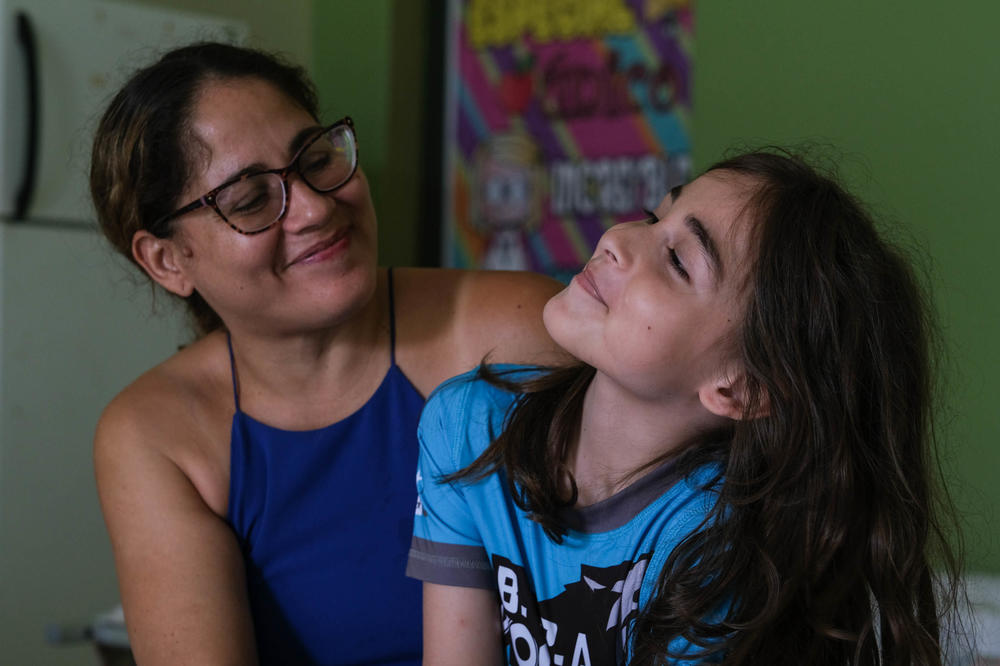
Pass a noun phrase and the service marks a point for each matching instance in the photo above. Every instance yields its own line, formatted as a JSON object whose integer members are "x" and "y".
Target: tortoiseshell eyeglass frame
{"x": 210, "y": 198}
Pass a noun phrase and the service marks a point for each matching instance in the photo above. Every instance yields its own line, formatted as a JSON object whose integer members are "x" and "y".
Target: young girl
{"x": 740, "y": 469}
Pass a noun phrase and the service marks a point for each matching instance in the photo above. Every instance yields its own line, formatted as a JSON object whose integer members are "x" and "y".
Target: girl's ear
{"x": 159, "y": 257}
{"x": 728, "y": 396}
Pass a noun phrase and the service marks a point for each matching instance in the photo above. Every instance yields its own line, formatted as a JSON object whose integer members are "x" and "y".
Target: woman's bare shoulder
{"x": 460, "y": 278}
{"x": 190, "y": 375}
{"x": 176, "y": 413}
{"x": 455, "y": 318}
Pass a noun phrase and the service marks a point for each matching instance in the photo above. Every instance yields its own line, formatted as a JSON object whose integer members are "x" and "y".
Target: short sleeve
{"x": 447, "y": 548}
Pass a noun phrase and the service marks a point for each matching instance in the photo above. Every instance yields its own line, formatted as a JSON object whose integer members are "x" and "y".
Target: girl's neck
{"x": 621, "y": 433}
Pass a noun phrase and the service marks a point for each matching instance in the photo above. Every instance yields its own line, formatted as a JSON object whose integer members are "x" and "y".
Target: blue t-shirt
{"x": 566, "y": 604}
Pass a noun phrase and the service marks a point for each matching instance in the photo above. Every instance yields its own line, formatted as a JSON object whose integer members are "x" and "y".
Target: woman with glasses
{"x": 258, "y": 486}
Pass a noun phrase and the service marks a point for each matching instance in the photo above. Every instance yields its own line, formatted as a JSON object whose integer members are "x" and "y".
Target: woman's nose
{"x": 305, "y": 208}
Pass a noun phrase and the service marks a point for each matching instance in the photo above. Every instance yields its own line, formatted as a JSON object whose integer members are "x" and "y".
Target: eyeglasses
{"x": 253, "y": 202}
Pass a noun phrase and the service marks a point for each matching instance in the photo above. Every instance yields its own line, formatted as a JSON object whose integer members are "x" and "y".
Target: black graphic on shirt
{"x": 585, "y": 625}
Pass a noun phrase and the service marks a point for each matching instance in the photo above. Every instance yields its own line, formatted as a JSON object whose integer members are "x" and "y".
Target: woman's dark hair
{"x": 831, "y": 509}
{"x": 143, "y": 151}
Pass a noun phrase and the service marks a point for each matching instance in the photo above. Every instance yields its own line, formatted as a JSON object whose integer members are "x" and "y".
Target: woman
{"x": 258, "y": 485}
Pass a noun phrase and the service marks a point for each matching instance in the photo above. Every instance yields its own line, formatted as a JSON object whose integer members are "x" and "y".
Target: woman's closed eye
{"x": 650, "y": 216}
{"x": 248, "y": 201}
{"x": 316, "y": 163}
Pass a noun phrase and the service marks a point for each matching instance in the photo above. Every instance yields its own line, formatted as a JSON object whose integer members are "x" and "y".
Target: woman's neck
{"x": 621, "y": 433}
{"x": 314, "y": 377}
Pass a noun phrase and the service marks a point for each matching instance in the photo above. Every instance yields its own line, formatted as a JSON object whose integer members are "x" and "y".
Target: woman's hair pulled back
{"x": 143, "y": 149}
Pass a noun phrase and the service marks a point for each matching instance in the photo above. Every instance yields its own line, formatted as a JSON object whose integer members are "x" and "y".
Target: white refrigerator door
{"x": 83, "y": 50}
{"x": 76, "y": 326}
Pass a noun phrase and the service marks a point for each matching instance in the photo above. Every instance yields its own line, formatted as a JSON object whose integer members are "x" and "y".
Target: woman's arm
{"x": 500, "y": 314}
{"x": 179, "y": 567}
{"x": 449, "y": 320}
{"x": 461, "y": 626}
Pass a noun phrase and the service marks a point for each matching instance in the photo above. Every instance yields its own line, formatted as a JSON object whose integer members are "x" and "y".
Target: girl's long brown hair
{"x": 831, "y": 512}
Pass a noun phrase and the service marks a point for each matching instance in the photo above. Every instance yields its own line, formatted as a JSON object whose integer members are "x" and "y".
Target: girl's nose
{"x": 617, "y": 244}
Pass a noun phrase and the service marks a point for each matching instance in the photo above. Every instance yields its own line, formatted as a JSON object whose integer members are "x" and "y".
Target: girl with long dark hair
{"x": 740, "y": 470}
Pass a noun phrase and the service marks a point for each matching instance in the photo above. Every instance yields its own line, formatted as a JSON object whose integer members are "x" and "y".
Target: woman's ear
{"x": 160, "y": 258}
{"x": 728, "y": 396}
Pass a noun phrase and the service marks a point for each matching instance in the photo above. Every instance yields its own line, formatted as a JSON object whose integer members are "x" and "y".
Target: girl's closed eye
{"x": 675, "y": 261}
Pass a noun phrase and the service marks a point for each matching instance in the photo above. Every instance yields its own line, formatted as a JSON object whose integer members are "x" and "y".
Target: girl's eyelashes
{"x": 675, "y": 261}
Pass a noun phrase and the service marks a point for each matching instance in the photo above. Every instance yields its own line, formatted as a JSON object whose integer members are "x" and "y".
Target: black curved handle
{"x": 26, "y": 39}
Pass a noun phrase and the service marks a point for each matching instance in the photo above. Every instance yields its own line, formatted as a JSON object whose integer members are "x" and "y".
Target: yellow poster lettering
{"x": 500, "y": 22}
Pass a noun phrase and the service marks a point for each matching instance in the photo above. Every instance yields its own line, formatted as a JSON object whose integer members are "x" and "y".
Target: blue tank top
{"x": 324, "y": 519}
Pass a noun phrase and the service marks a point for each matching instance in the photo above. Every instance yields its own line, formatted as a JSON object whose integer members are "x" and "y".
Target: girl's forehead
{"x": 719, "y": 204}
{"x": 721, "y": 191}
{"x": 725, "y": 188}
{"x": 720, "y": 199}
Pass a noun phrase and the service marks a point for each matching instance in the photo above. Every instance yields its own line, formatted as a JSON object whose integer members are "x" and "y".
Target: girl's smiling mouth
{"x": 585, "y": 279}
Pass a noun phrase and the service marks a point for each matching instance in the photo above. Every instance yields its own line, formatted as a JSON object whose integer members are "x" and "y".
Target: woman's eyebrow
{"x": 708, "y": 246}
{"x": 249, "y": 169}
{"x": 301, "y": 138}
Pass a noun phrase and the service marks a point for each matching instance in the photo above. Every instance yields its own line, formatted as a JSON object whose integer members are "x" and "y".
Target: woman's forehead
{"x": 236, "y": 123}
{"x": 242, "y": 109}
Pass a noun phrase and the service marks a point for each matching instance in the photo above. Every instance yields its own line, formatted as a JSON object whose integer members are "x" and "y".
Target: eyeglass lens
{"x": 257, "y": 201}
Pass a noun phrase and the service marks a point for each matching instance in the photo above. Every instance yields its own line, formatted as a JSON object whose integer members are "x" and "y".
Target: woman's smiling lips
{"x": 585, "y": 280}
{"x": 324, "y": 249}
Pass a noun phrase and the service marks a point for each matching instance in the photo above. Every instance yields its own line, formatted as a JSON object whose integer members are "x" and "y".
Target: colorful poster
{"x": 564, "y": 117}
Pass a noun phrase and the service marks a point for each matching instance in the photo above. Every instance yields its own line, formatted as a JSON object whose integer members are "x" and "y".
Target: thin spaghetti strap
{"x": 232, "y": 371}
{"x": 392, "y": 322}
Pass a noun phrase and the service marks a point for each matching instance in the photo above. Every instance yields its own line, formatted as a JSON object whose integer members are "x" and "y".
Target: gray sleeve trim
{"x": 450, "y": 564}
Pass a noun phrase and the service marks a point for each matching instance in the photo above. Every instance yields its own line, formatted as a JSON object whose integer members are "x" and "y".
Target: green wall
{"x": 369, "y": 62}
{"x": 906, "y": 94}
{"x": 909, "y": 94}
